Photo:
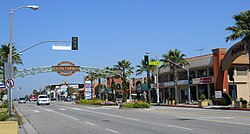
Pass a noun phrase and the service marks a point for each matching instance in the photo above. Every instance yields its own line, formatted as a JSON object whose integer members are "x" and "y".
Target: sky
{"x": 112, "y": 30}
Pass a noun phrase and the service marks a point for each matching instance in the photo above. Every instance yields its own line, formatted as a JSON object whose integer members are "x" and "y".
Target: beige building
{"x": 202, "y": 70}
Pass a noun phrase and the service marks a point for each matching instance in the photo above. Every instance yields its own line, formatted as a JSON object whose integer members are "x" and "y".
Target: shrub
{"x": 5, "y": 104}
{"x": 139, "y": 104}
{"x": 225, "y": 100}
{"x": 90, "y": 102}
{"x": 203, "y": 97}
{"x": 4, "y": 114}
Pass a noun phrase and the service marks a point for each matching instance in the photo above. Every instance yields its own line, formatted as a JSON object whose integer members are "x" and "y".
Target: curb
{"x": 26, "y": 127}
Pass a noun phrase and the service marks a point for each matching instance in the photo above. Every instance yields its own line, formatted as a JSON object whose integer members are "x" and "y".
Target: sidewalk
{"x": 208, "y": 107}
{"x": 26, "y": 128}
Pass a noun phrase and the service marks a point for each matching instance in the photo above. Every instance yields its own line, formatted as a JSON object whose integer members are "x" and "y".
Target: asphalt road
{"x": 68, "y": 118}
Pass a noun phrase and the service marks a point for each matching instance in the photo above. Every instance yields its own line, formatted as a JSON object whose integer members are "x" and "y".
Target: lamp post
{"x": 34, "y": 7}
{"x": 157, "y": 83}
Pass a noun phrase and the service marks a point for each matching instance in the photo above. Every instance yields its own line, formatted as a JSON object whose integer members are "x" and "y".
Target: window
{"x": 241, "y": 70}
{"x": 211, "y": 71}
{"x": 202, "y": 73}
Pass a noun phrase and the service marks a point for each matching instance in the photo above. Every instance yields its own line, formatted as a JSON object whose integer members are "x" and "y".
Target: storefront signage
{"x": 206, "y": 80}
{"x": 218, "y": 94}
{"x": 238, "y": 49}
{"x": 66, "y": 68}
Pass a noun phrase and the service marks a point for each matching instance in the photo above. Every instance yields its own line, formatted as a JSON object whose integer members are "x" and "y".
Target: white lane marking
{"x": 112, "y": 115}
{"x": 180, "y": 127}
{"x": 50, "y": 110}
{"x": 90, "y": 123}
{"x": 76, "y": 108}
{"x": 61, "y": 109}
{"x": 134, "y": 119}
{"x": 216, "y": 117}
{"x": 112, "y": 130}
{"x": 218, "y": 121}
{"x": 36, "y": 111}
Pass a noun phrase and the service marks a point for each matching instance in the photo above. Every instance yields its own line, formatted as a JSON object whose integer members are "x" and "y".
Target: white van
{"x": 43, "y": 99}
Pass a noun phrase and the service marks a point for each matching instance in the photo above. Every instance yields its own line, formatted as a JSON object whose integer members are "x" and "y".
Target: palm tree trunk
{"x": 175, "y": 85}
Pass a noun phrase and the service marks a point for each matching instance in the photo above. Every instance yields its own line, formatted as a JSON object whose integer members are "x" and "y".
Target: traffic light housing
{"x": 146, "y": 59}
{"x": 231, "y": 74}
{"x": 74, "y": 43}
{"x": 190, "y": 80}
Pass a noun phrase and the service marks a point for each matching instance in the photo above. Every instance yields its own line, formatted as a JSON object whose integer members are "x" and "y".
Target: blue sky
{"x": 112, "y": 30}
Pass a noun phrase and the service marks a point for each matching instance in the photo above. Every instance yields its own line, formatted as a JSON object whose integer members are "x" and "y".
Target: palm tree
{"x": 143, "y": 68}
{"x": 4, "y": 52}
{"x": 178, "y": 58}
{"x": 241, "y": 30}
{"x": 91, "y": 76}
{"x": 126, "y": 70}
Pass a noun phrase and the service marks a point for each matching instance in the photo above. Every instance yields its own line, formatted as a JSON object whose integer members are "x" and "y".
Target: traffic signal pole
{"x": 187, "y": 69}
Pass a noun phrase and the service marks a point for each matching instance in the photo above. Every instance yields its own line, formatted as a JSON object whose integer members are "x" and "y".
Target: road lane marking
{"x": 90, "y": 123}
{"x": 112, "y": 130}
{"x": 50, "y": 110}
{"x": 180, "y": 127}
{"x": 134, "y": 119}
{"x": 61, "y": 109}
{"x": 210, "y": 120}
{"x": 112, "y": 115}
{"x": 36, "y": 111}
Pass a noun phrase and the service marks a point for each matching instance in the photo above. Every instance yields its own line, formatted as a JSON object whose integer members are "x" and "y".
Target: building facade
{"x": 203, "y": 70}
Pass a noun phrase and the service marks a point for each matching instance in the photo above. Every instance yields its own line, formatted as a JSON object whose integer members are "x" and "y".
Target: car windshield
{"x": 22, "y": 99}
{"x": 43, "y": 97}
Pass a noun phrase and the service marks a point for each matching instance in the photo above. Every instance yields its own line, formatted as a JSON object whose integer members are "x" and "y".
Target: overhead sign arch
{"x": 235, "y": 51}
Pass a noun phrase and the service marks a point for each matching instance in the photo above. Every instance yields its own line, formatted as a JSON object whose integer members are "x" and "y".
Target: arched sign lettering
{"x": 234, "y": 52}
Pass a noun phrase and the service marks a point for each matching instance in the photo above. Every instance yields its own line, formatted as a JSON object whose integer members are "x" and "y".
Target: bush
{"x": 139, "y": 104}
{"x": 225, "y": 100}
{"x": 203, "y": 97}
{"x": 90, "y": 102}
{"x": 5, "y": 104}
{"x": 4, "y": 114}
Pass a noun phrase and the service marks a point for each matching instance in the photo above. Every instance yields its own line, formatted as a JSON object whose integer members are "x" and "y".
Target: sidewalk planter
{"x": 171, "y": 102}
{"x": 203, "y": 103}
{"x": 8, "y": 127}
{"x": 244, "y": 104}
{"x": 236, "y": 104}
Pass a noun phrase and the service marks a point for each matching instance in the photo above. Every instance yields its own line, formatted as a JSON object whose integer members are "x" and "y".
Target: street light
{"x": 157, "y": 83}
{"x": 33, "y": 7}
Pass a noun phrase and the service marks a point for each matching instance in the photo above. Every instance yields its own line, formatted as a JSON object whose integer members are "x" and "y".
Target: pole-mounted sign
{"x": 10, "y": 83}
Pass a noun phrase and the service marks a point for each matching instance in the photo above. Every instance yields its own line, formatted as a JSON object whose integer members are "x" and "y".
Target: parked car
{"x": 68, "y": 99}
{"x": 21, "y": 100}
{"x": 43, "y": 99}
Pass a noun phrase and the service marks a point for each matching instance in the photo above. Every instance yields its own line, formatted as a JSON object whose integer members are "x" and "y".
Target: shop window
{"x": 202, "y": 73}
{"x": 241, "y": 70}
{"x": 192, "y": 73}
{"x": 211, "y": 71}
{"x": 203, "y": 90}
{"x": 182, "y": 76}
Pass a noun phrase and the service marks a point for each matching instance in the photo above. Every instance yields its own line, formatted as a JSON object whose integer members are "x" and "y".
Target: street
{"x": 66, "y": 117}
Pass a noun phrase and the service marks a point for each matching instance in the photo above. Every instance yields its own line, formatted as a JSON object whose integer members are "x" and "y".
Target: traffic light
{"x": 231, "y": 74}
{"x": 146, "y": 59}
{"x": 190, "y": 80}
{"x": 74, "y": 43}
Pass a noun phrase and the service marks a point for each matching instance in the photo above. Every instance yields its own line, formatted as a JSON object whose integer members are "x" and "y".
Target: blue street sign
{"x": 2, "y": 85}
